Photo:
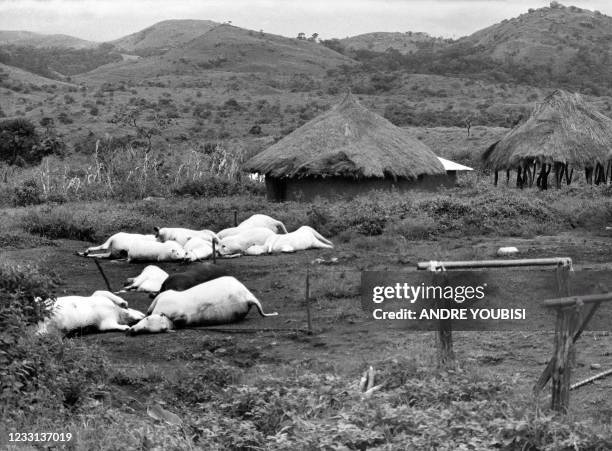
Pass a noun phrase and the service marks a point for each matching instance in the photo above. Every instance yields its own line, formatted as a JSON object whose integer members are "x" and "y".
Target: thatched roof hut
{"x": 562, "y": 132}
{"x": 344, "y": 151}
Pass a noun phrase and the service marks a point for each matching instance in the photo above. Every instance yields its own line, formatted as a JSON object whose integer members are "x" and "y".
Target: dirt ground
{"x": 344, "y": 339}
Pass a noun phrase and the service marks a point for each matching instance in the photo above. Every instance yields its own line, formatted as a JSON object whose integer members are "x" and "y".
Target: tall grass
{"x": 127, "y": 173}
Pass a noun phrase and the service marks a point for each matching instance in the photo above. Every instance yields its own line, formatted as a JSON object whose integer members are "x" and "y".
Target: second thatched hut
{"x": 563, "y": 133}
{"x": 346, "y": 151}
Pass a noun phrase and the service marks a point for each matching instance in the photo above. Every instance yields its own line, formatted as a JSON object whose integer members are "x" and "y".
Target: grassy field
{"x": 201, "y": 389}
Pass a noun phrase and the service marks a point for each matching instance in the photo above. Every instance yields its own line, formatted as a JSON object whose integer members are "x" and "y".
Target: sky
{"x": 105, "y": 20}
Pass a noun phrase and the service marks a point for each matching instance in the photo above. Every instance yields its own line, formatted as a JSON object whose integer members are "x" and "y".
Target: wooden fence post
{"x": 307, "y": 299}
{"x": 561, "y": 368}
{"x": 235, "y": 218}
{"x": 446, "y": 353}
{"x": 108, "y": 286}
{"x": 214, "y": 252}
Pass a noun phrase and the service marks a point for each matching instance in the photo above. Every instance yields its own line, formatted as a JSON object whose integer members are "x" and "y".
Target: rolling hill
{"x": 230, "y": 49}
{"x": 163, "y": 36}
{"x": 27, "y": 38}
{"x": 551, "y": 36}
{"x": 408, "y": 42}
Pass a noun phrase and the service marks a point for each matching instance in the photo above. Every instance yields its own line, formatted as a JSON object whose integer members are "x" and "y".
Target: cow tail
{"x": 257, "y": 304}
{"x": 282, "y": 227}
{"x": 321, "y": 238}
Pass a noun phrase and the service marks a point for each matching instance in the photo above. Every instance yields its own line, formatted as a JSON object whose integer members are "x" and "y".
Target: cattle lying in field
{"x": 254, "y": 221}
{"x": 195, "y": 275}
{"x": 181, "y": 235}
{"x": 149, "y": 280}
{"x": 154, "y": 251}
{"x": 240, "y": 242}
{"x": 303, "y": 238}
{"x": 219, "y": 301}
{"x": 198, "y": 249}
{"x": 117, "y": 246}
{"x": 102, "y": 311}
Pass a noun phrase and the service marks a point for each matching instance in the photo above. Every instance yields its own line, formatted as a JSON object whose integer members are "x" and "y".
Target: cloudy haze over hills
{"x": 104, "y": 20}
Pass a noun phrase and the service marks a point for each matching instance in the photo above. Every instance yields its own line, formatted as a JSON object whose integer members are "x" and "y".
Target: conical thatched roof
{"x": 563, "y": 128}
{"x": 350, "y": 141}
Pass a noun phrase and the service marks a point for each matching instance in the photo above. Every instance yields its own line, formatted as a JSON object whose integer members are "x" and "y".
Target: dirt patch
{"x": 344, "y": 341}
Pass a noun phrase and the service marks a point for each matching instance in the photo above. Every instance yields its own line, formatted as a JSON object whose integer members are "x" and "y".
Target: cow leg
{"x": 112, "y": 324}
{"x": 105, "y": 255}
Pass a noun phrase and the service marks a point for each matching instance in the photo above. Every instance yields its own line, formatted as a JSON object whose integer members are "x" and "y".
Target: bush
{"x": 28, "y": 193}
{"x": 57, "y": 223}
{"x": 18, "y": 138}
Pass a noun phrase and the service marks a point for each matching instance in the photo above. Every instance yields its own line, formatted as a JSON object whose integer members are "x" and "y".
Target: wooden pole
{"x": 446, "y": 353}
{"x": 591, "y": 379}
{"x": 108, "y": 286}
{"x": 214, "y": 252}
{"x": 437, "y": 265}
{"x": 507, "y": 177}
{"x": 496, "y": 178}
{"x": 235, "y": 218}
{"x": 569, "y": 175}
{"x": 561, "y": 368}
{"x": 307, "y": 299}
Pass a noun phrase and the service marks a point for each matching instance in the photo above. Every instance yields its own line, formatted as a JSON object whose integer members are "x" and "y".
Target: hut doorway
{"x": 277, "y": 189}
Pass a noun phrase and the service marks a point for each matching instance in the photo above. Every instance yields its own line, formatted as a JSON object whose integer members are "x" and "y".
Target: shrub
{"x": 28, "y": 193}
{"x": 57, "y": 223}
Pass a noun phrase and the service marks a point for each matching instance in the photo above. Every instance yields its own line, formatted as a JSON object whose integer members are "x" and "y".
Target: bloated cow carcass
{"x": 117, "y": 246}
{"x": 303, "y": 238}
{"x": 254, "y": 221}
{"x": 181, "y": 235}
{"x": 149, "y": 280}
{"x": 240, "y": 242}
{"x": 219, "y": 301}
{"x": 102, "y": 311}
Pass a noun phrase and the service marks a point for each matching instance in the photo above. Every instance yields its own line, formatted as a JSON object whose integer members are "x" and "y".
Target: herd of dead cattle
{"x": 204, "y": 294}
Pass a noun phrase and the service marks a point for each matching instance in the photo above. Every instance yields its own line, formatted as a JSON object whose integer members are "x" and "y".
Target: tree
{"x": 17, "y": 139}
{"x": 301, "y": 36}
{"x": 131, "y": 117}
{"x": 21, "y": 145}
{"x": 314, "y": 37}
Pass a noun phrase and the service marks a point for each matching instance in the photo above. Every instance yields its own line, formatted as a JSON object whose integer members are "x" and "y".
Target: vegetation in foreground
{"x": 64, "y": 384}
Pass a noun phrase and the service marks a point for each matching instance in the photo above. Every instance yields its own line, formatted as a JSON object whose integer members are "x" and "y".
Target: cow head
{"x": 152, "y": 324}
{"x": 178, "y": 253}
{"x": 229, "y": 246}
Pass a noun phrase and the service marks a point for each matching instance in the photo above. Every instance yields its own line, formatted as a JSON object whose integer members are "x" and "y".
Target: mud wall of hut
{"x": 308, "y": 188}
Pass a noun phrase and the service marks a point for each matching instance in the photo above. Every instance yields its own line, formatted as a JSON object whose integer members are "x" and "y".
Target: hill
{"x": 551, "y": 47}
{"x": 230, "y": 49}
{"x": 408, "y": 42}
{"x": 163, "y": 36}
{"x": 27, "y": 38}
{"x": 555, "y": 37}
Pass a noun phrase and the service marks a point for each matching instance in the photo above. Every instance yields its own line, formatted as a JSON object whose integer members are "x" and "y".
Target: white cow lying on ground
{"x": 252, "y": 222}
{"x": 117, "y": 246}
{"x": 155, "y": 251}
{"x": 198, "y": 249}
{"x": 102, "y": 311}
{"x": 218, "y": 301}
{"x": 181, "y": 235}
{"x": 240, "y": 242}
{"x": 149, "y": 280}
{"x": 303, "y": 238}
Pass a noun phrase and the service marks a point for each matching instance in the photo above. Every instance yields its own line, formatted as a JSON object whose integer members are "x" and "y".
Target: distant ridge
{"x": 408, "y": 42}
{"x": 163, "y": 36}
{"x": 27, "y": 38}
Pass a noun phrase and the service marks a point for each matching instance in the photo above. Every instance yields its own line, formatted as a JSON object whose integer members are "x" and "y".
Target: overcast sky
{"x": 102, "y": 20}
